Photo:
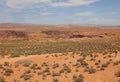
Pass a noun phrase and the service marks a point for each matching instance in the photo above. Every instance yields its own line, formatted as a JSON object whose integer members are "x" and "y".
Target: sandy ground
{"x": 107, "y": 75}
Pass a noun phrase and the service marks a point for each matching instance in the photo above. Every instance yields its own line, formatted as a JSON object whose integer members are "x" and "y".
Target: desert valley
{"x": 59, "y": 53}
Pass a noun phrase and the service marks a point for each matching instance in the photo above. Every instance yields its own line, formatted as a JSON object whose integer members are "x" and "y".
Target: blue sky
{"x": 98, "y": 12}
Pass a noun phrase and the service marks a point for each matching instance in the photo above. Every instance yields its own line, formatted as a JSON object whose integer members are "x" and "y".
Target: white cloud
{"x": 47, "y": 13}
{"x": 74, "y": 3}
{"x": 84, "y": 14}
{"x": 24, "y": 3}
{"x": 103, "y": 21}
{"x": 60, "y": 3}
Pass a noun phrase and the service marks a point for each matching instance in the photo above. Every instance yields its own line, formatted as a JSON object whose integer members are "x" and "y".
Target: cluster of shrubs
{"x": 79, "y": 78}
{"x": 56, "y": 65}
{"x": 26, "y": 76}
{"x": 116, "y": 63}
{"x": 82, "y": 62}
{"x": 77, "y": 65}
{"x": 44, "y": 64}
{"x": 35, "y": 67}
{"x": 55, "y": 74}
{"x": 65, "y": 69}
{"x": 90, "y": 70}
{"x": 8, "y": 71}
{"x": 104, "y": 65}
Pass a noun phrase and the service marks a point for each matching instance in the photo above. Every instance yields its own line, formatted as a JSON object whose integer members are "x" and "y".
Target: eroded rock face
{"x": 69, "y": 34}
{"x": 77, "y": 36}
{"x": 13, "y": 34}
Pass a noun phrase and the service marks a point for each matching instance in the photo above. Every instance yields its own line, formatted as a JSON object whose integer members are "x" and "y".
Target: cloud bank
{"x": 21, "y": 4}
{"x": 87, "y": 14}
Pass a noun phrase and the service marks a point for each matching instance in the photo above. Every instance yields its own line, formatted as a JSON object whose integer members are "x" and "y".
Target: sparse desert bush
{"x": 8, "y": 71}
{"x": 15, "y": 80}
{"x": 61, "y": 71}
{"x": 55, "y": 80}
{"x": 80, "y": 60}
{"x": 26, "y": 76}
{"x": 102, "y": 68}
{"x": 104, "y": 57}
{"x": 96, "y": 63}
{"x": 48, "y": 73}
{"x": 2, "y": 79}
{"x": 35, "y": 67}
{"x": 40, "y": 73}
{"x": 99, "y": 61}
{"x": 1, "y": 66}
{"x": 80, "y": 78}
{"x": 56, "y": 65}
{"x": 97, "y": 66}
{"x": 105, "y": 52}
{"x": 110, "y": 60}
{"x": 74, "y": 77}
{"x": 27, "y": 71}
{"x": 67, "y": 69}
{"x": 116, "y": 63}
{"x": 55, "y": 74}
{"x": 117, "y": 74}
{"x": 43, "y": 76}
{"x": 6, "y": 63}
{"x": 92, "y": 59}
{"x": 109, "y": 56}
{"x": 44, "y": 64}
{"x": 91, "y": 70}
{"x": 77, "y": 65}
{"x": 105, "y": 64}
{"x": 84, "y": 63}
{"x": 46, "y": 70}
{"x": 76, "y": 70}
